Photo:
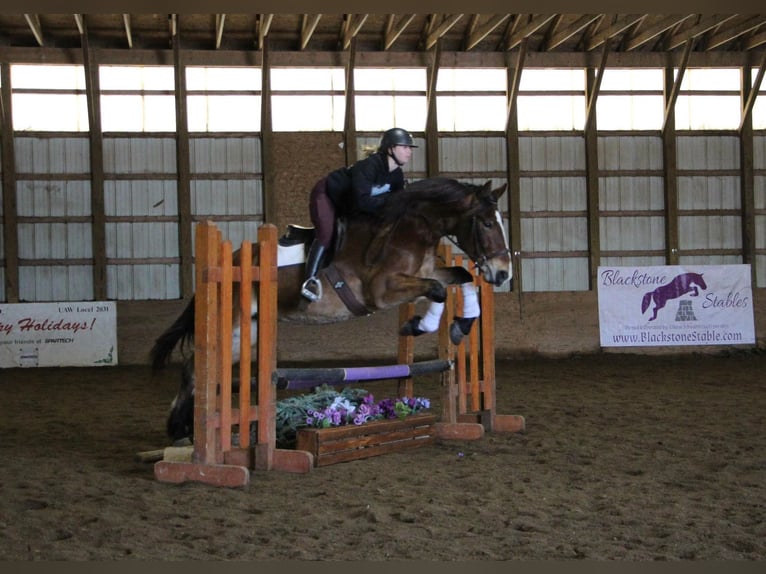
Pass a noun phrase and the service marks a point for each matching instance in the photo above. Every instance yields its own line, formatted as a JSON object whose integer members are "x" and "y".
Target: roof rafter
{"x": 526, "y": 30}
{"x": 393, "y": 32}
{"x": 478, "y": 33}
{"x": 449, "y": 21}
{"x": 34, "y": 24}
{"x": 616, "y": 28}
{"x": 654, "y": 30}
{"x": 263, "y": 23}
{"x": 352, "y": 23}
{"x": 704, "y": 25}
{"x": 559, "y": 37}
{"x": 727, "y": 34}
{"x": 128, "y": 32}
{"x": 220, "y": 20}
{"x": 310, "y": 22}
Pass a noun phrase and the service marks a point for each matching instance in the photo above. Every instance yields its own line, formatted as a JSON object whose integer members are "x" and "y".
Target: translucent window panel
{"x": 383, "y": 112}
{"x": 50, "y": 112}
{"x": 630, "y": 112}
{"x": 472, "y": 79}
{"x": 153, "y": 78}
{"x": 554, "y": 80}
{"x": 711, "y": 79}
{"x": 551, "y": 112}
{"x": 393, "y": 79}
{"x": 220, "y": 78}
{"x": 308, "y": 79}
{"x": 224, "y": 113}
{"x": 635, "y": 80}
{"x": 48, "y": 77}
{"x": 708, "y": 112}
{"x": 307, "y": 113}
{"x": 463, "y": 113}
{"x": 129, "y": 113}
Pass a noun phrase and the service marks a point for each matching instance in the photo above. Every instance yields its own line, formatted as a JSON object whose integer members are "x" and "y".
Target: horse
{"x": 377, "y": 263}
{"x": 680, "y": 285}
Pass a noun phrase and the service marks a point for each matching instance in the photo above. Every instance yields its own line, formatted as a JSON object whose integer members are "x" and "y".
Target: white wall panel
{"x": 225, "y": 155}
{"x": 558, "y": 153}
{"x": 707, "y": 152}
{"x": 472, "y": 154}
{"x": 68, "y": 155}
{"x": 54, "y": 198}
{"x": 629, "y": 152}
{"x": 137, "y": 155}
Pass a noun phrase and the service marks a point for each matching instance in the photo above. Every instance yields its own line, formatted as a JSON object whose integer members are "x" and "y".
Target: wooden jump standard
{"x": 216, "y": 459}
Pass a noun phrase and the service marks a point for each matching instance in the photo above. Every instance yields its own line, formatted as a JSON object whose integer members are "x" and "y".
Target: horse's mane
{"x": 426, "y": 194}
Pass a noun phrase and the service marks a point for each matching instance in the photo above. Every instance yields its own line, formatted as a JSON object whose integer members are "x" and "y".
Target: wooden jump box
{"x": 353, "y": 442}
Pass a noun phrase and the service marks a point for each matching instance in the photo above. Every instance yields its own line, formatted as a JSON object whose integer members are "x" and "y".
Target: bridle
{"x": 479, "y": 258}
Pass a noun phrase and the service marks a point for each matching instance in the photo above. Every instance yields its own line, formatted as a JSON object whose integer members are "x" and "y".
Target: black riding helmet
{"x": 394, "y": 137}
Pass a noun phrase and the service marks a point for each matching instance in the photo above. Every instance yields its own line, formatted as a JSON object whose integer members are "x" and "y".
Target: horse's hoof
{"x": 410, "y": 328}
{"x": 460, "y": 327}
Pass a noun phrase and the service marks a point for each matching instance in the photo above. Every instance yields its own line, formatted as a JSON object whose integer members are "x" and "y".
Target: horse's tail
{"x": 646, "y": 301}
{"x": 181, "y": 330}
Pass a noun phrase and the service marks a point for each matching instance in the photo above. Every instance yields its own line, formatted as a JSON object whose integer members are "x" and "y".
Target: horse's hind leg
{"x": 180, "y": 423}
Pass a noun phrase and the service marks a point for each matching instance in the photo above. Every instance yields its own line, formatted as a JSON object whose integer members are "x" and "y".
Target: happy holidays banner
{"x": 58, "y": 334}
{"x": 675, "y": 305}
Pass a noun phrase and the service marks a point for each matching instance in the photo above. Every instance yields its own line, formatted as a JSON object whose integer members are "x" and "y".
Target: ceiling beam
{"x": 724, "y": 35}
{"x": 80, "y": 23}
{"x": 615, "y": 29}
{"x": 704, "y": 25}
{"x": 310, "y": 22}
{"x": 479, "y": 33}
{"x": 220, "y": 20}
{"x": 747, "y": 109}
{"x": 351, "y": 26}
{"x": 263, "y": 25}
{"x": 671, "y": 103}
{"x": 128, "y": 31}
{"x": 655, "y": 30}
{"x": 755, "y": 40}
{"x": 449, "y": 21}
{"x": 34, "y": 24}
{"x": 576, "y": 27}
{"x": 590, "y": 112}
{"x": 393, "y": 32}
{"x": 526, "y": 30}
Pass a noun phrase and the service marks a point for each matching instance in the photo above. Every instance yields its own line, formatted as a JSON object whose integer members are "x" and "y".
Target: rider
{"x": 354, "y": 190}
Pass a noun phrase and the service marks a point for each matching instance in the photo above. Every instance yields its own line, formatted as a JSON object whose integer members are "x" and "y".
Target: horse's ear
{"x": 498, "y": 193}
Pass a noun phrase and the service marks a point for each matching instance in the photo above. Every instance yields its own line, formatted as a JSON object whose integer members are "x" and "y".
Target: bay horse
{"x": 377, "y": 264}
{"x": 680, "y": 285}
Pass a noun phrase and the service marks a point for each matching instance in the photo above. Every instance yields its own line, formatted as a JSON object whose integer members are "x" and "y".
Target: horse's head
{"x": 481, "y": 234}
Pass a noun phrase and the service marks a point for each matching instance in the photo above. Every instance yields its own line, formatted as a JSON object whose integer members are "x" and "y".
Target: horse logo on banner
{"x": 680, "y": 285}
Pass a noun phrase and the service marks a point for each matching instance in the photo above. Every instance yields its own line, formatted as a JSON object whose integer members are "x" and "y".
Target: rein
{"x": 480, "y": 259}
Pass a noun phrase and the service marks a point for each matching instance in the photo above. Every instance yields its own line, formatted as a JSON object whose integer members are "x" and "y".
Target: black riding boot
{"x": 312, "y": 288}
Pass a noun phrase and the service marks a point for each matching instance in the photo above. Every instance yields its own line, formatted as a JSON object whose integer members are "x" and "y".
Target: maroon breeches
{"x": 322, "y": 211}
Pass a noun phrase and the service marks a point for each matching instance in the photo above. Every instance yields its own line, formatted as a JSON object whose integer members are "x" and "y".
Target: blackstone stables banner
{"x": 675, "y": 305}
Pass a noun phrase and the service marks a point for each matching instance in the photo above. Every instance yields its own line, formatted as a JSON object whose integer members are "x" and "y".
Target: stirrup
{"x": 308, "y": 293}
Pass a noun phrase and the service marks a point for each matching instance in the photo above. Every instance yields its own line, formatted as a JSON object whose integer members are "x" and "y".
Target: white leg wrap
{"x": 471, "y": 307}
{"x": 430, "y": 321}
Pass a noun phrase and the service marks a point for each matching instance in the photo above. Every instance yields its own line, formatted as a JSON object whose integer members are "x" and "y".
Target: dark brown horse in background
{"x": 379, "y": 264}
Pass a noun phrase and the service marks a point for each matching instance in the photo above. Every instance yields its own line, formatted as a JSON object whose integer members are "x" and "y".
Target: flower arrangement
{"x": 326, "y": 407}
{"x": 342, "y": 411}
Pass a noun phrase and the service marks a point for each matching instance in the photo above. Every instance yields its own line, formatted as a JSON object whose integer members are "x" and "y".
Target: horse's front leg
{"x": 461, "y": 324}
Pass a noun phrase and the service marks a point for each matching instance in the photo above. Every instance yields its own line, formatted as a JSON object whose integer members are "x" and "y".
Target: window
{"x": 137, "y": 98}
{"x": 458, "y": 109}
{"x": 631, "y": 99}
{"x": 49, "y": 98}
{"x": 308, "y": 99}
{"x": 388, "y": 97}
{"x": 709, "y": 99}
{"x": 223, "y": 99}
{"x": 551, "y": 99}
